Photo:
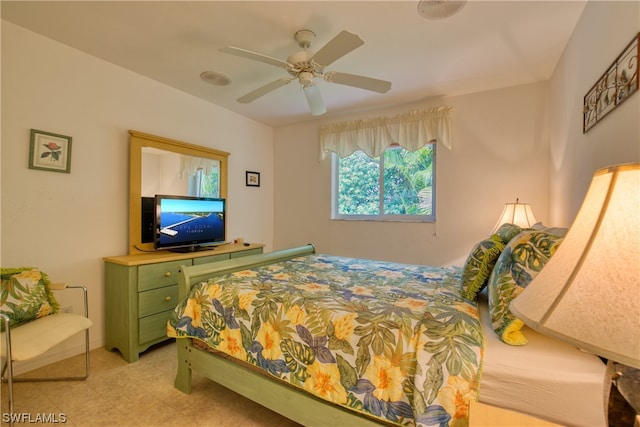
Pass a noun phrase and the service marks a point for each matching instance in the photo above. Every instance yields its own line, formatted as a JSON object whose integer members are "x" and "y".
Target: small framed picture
{"x": 49, "y": 151}
{"x": 253, "y": 179}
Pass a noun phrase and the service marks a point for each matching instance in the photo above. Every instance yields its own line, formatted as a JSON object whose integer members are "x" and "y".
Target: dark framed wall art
{"x": 617, "y": 84}
{"x": 253, "y": 179}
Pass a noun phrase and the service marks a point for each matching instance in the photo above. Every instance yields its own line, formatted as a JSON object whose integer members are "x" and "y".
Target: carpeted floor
{"x": 138, "y": 394}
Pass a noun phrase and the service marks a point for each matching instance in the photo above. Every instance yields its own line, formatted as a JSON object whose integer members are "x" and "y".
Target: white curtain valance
{"x": 411, "y": 131}
{"x": 189, "y": 165}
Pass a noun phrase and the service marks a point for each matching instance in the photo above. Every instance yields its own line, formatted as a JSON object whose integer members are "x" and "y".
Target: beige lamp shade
{"x": 516, "y": 213}
{"x": 589, "y": 292}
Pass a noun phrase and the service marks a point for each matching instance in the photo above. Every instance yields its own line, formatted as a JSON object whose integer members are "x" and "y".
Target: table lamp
{"x": 516, "y": 213}
{"x": 588, "y": 294}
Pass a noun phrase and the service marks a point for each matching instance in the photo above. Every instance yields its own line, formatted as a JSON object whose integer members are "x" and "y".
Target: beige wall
{"x": 505, "y": 141}
{"x": 66, "y": 223}
{"x": 603, "y": 31}
{"x": 500, "y": 152}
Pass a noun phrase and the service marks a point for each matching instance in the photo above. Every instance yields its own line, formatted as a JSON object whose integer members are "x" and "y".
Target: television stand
{"x": 190, "y": 249}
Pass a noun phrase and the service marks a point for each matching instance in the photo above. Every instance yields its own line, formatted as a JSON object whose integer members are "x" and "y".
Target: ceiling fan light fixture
{"x": 314, "y": 99}
{"x": 439, "y": 9}
{"x": 215, "y": 78}
{"x": 306, "y": 79}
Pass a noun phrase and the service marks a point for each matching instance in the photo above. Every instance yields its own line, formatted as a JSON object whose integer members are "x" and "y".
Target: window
{"x": 202, "y": 184}
{"x": 399, "y": 185}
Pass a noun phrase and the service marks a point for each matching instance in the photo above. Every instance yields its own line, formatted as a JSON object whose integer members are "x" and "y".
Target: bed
{"x": 328, "y": 340}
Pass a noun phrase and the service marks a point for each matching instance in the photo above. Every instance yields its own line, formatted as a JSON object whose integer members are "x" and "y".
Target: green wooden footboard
{"x": 299, "y": 406}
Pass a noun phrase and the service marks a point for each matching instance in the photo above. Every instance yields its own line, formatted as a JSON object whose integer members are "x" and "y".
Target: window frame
{"x": 382, "y": 217}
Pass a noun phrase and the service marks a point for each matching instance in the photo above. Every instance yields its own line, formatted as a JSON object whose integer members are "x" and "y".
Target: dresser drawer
{"x": 210, "y": 258}
{"x": 141, "y": 292}
{"x": 246, "y": 253}
{"x": 157, "y": 300}
{"x": 152, "y": 276}
{"x": 153, "y": 327}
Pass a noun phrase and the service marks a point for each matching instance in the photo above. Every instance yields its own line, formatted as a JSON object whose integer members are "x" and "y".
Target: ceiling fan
{"x": 305, "y": 67}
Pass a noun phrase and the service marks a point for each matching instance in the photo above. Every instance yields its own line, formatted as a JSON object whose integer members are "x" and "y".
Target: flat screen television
{"x": 188, "y": 224}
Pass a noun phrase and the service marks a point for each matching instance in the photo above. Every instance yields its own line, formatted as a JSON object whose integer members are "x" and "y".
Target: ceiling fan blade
{"x": 314, "y": 99}
{"x": 339, "y": 46}
{"x": 251, "y": 96}
{"x": 362, "y": 82}
{"x": 255, "y": 56}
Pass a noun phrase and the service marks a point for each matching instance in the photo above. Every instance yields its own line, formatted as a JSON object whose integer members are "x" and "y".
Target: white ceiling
{"x": 487, "y": 45}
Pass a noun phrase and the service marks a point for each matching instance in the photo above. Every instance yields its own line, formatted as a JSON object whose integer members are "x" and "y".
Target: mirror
{"x": 166, "y": 172}
{"x": 160, "y": 165}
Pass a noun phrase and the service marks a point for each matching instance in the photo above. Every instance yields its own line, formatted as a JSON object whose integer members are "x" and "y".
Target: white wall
{"x": 505, "y": 141}
{"x": 66, "y": 223}
{"x": 602, "y": 33}
{"x": 500, "y": 152}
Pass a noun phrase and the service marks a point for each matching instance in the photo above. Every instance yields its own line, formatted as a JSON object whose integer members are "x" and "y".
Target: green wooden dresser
{"x": 141, "y": 291}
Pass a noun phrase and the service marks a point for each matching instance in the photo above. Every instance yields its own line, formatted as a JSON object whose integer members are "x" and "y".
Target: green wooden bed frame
{"x": 297, "y": 405}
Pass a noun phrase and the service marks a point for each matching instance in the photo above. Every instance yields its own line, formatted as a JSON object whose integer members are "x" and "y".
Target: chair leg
{"x": 8, "y": 366}
{"x": 42, "y": 379}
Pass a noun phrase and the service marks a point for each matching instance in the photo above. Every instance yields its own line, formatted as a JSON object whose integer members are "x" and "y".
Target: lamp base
{"x": 623, "y": 401}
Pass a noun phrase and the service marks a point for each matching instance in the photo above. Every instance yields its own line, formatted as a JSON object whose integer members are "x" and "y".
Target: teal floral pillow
{"x": 482, "y": 259}
{"x": 520, "y": 262}
{"x": 508, "y": 232}
{"x": 558, "y": 231}
{"x": 25, "y": 295}
{"x": 479, "y": 265}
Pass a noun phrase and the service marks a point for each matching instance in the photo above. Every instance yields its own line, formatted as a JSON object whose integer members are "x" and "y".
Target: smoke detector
{"x": 215, "y": 78}
{"x": 439, "y": 9}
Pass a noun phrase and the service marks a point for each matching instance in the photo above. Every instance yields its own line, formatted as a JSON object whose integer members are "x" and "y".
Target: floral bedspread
{"x": 395, "y": 341}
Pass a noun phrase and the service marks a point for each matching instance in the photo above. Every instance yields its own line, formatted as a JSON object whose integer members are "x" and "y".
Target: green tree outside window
{"x": 399, "y": 185}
